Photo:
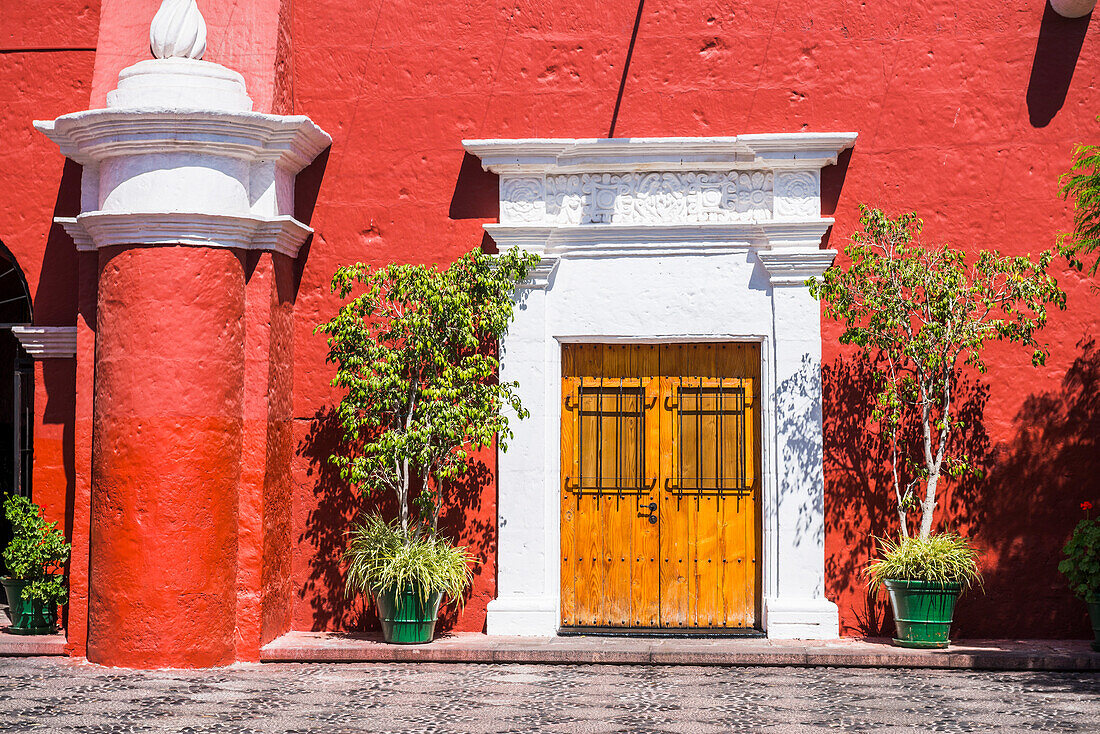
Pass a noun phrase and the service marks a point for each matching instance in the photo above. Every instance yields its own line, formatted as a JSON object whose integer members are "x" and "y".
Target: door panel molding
{"x": 656, "y": 553}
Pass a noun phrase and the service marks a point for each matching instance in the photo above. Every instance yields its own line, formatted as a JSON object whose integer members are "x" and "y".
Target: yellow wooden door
{"x": 659, "y": 485}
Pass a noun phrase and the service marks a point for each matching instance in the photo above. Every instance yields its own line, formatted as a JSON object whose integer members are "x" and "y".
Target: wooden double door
{"x": 660, "y": 485}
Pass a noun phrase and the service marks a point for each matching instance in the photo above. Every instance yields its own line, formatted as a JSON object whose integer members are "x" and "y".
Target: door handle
{"x": 650, "y": 512}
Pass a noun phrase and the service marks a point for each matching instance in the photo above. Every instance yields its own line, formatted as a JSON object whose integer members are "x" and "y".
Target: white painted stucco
{"x": 666, "y": 240}
{"x": 178, "y": 157}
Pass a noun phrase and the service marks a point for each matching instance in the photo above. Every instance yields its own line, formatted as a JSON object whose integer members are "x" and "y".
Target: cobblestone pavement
{"x": 56, "y": 695}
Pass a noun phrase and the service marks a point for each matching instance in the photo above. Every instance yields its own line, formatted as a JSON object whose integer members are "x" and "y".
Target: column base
{"x": 801, "y": 619}
{"x": 522, "y": 616}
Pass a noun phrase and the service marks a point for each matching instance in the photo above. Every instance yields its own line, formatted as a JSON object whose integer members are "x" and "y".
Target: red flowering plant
{"x": 1081, "y": 566}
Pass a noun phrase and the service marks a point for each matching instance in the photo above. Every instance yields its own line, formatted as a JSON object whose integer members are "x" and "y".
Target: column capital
{"x": 178, "y": 157}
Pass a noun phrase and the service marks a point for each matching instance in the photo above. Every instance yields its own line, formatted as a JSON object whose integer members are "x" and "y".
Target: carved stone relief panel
{"x": 691, "y": 197}
{"x": 797, "y": 194}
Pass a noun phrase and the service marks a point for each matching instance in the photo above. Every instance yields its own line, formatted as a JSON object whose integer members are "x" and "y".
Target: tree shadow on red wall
{"x": 467, "y": 518}
{"x": 1019, "y": 512}
{"x": 1030, "y": 504}
{"x": 323, "y": 538}
{"x": 859, "y": 499}
{"x": 470, "y": 520}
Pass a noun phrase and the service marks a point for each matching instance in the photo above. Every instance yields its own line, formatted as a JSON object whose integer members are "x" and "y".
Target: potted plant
{"x": 416, "y": 356}
{"x": 922, "y": 314}
{"x": 1081, "y": 567}
{"x": 34, "y": 558}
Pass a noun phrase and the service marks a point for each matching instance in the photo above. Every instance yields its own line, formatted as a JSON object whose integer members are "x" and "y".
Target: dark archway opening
{"x": 16, "y": 389}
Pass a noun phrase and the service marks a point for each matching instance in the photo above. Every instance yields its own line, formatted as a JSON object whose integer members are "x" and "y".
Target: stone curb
{"x": 31, "y": 645}
{"x": 1048, "y": 655}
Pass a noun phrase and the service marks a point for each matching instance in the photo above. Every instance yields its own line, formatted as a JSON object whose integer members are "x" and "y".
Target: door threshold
{"x": 674, "y": 632}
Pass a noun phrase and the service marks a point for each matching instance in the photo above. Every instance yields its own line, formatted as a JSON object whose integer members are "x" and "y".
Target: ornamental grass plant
{"x": 381, "y": 556}
{"x": 943, "y": 558}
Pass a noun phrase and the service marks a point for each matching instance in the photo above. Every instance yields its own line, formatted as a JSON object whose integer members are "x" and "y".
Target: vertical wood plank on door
{"x": 707, "y": 516}
{"x": 675, "y": 558}
{"x": 569, "y": 468}
{"x": 750, "y": 504}
{"x": 614, "y": 519}
{"x": 646, "y": 600}
{"x": 730, "y": 571}
{"x": 589, "y": 581}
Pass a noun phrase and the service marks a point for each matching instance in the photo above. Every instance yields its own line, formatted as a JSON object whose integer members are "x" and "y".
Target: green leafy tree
{"x": 416, "y": 355}
{"x": 922, "y": 313}
{"x": 1082, "y": 185}
{"x": 37, "y": 552}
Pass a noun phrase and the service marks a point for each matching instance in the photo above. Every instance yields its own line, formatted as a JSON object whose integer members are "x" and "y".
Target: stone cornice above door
{"x": 660, "y": 196}
{"x": 567, "y": 155}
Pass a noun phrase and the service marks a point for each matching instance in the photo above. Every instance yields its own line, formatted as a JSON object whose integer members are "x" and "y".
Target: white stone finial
{"x": 1073, "y": 8}
{"x": 178, "y": 31}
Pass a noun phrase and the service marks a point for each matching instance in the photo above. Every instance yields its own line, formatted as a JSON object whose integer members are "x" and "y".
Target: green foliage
{"x": 1082, "y": 185}
{"x": 1081, "y": 566}
{"x": 380, "y": 555}
{"x": 921, "y": 313}
{"x": 416, "y": 356}
{"x": 37, "y": 553}
{"x": 944, "y": 558}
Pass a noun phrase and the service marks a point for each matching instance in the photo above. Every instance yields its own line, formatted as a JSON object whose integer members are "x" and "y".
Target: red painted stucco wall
{"x": 46, "y": 66}
{"x": 966, "y": 112}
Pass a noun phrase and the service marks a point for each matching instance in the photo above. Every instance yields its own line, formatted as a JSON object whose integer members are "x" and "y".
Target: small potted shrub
{"x": 35, "y": 558}
{"x": 1081, "y": 567}
{"x": 408, "y": 573}
{"x": 416, "y": 356}
{"x": 921, "y": 314}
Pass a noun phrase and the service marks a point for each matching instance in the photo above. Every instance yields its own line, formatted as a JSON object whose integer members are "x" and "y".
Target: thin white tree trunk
{"x": 928, "y": 507}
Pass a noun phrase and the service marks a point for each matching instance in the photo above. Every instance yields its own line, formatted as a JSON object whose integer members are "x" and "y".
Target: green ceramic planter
{"x": 922, "y": 612}
{"x": 407, "y": 618}
{"x": 1094, "y": 614}
{"x": 28, "y": 617}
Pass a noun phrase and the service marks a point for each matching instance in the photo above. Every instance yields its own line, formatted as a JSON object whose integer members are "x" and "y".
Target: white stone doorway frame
{"x": 666, "y": 240}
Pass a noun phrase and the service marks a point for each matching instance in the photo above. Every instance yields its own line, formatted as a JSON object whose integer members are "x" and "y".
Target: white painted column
{"x": 527, "y": 497}
{"x": 794, "y": 604}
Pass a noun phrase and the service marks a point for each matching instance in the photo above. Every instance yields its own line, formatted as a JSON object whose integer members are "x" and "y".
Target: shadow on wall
{"x": 55, "y": 304}
{"x": 859, "y": 499}
{"x": 307, "y": 187}
{"x": 1020, "y": 512}
{"x": 337, "y": 505}
{"x": 477, "y": 192}
{"x": 798, "y": 405}
{"x": 1031, "y": 502}
{"x": 334, "y": 507}
{"x": 1059, "y": 45}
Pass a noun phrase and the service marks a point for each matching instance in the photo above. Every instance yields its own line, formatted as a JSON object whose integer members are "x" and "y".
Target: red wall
{"x": 966, "y": 112}
{"x": 46, "y": 63}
